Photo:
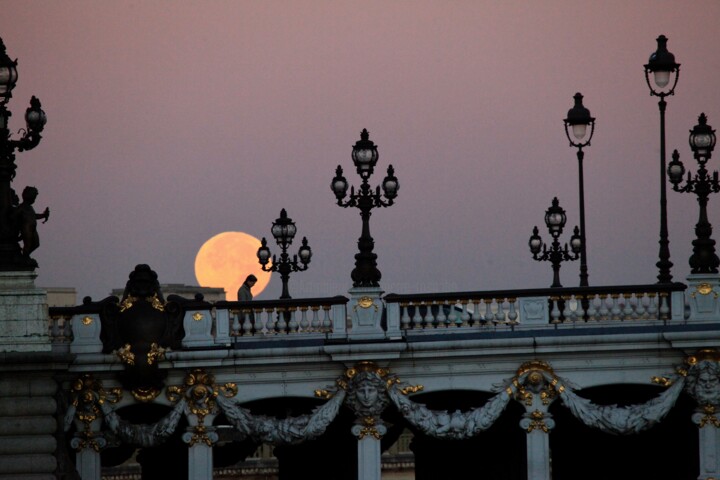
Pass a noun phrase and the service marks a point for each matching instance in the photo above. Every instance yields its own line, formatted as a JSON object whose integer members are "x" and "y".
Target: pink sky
{"x": 170, "y": 122}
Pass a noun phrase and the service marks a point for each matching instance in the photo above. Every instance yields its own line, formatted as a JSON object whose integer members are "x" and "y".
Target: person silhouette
{"x": 245, "y": 290}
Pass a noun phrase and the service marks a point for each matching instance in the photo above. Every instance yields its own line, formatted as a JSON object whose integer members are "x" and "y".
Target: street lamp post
{"x": 365, "y": 156}
{"x": 662, "y": 65}
{"x": 283, "y": 230}
{"x": 578, "y": 120}
{"x": 555, "y": 219}
{"x": 702, "y": 143}
{"x": 12, "y": 257}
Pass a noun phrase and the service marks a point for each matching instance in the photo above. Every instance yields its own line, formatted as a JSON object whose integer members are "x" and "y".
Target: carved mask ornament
{"x": 703, "y": 377}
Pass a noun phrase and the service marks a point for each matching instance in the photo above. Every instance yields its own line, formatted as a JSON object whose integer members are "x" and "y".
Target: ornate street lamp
{"x": 665, "y": 73}
{"x": 578, "y": 120}
{"x": 283, "y": 230}
{"x": 12, "y": 224}
{"x": 555, "y": 219}
{"x": 702, "y": 143}
{"x": 365, "y": 156}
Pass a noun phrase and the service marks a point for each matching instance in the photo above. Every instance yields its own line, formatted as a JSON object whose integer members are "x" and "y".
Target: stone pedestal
{"x": 366, "y": 311}
{"x": 703, "y": 292}
{"x": 23, "y": 314}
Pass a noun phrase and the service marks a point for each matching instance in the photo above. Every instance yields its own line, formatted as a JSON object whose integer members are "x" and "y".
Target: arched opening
{"x": 667, "y": 450}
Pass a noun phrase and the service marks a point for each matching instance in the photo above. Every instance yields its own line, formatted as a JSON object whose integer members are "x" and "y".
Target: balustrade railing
{"x": 508, "y": 308}
{"x": 273, "y": 318}
{"x": 225, "y": 323}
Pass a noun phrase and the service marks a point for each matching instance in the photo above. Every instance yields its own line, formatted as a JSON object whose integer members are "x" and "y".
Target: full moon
{"x": 226, "y": 260}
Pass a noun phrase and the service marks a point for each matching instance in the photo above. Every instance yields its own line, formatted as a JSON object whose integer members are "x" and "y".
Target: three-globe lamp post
{"x": 11, "y": 257}
{"x": 283, "y": 230}
{"x": 365, "y": 157}
{"x": 555, "y": 220}
{"x": 665, "y": 73}
{"x": 702, "y": 142}
{"x": 579, "y": 128}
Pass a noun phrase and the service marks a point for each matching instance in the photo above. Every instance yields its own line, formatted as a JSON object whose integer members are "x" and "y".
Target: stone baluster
{"x": 640, "y": 311}
{"x": 326, "y": 322}
{"x": 591, "y": 313}
{"x": 315, "y": 325}
{"x": 452, "y": 318}
{"x": 235, "y": 323}
{"x": 281, "y": 324}
{"x": 652, "y": 306}
{"x": 304, "y": 323}
{"x": 555, "y": 312}
{"x": 270, "y": 321}
{"x": 603, "y": 311}
{"x": 664, "y": 307}
{"x": 569, "y": 312}
{"x": 627, "y": 311}
{"x": 476, "y": 312}
{"x": 428, "y": 318}
{"x": 404, "y": 317}
{"x": 247, "y": 325}
{"x": 512, "y": 314}
{"x": 293, "y": 323}
{"x": 440, "y": 319}
{"x": 417, "y": 319}
{"x": 615, "y": 310}
{"x": 465, "y": 317}
{"x": 488, "y": 310}
{"x": 500, "y": 314}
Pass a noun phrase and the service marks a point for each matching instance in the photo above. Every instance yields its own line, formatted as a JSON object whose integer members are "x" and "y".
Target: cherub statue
{"x": 26, "y": 219}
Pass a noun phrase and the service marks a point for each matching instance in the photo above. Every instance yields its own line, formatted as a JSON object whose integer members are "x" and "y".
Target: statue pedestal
{"x": 703, "y": 292}
{"x": 366, "y": 311}
{"x": 23, "y": 314}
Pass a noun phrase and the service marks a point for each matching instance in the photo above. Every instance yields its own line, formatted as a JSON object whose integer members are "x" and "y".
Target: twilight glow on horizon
{"x": 172, "y": 122}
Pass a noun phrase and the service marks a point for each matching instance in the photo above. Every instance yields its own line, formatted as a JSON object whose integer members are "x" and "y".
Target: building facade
{"x": 533, "y": 384}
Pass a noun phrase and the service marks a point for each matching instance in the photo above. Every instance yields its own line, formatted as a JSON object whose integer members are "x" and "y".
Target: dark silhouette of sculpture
{"x": 27, "y": 218}
{"x": 139, "y": 329}
{"x": 18, "y": 221}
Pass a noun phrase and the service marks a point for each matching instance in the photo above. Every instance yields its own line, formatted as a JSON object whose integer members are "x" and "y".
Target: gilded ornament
{"x": 325, "y": 394}
{"x": 709, "y": 354}
{"x": 662, "y": 381}
{"x": 538, "y": 422}
{"x": 197, "y": 316}
{"x": 155, "y": 354}
{"x": 535, "y": 365}
{"x": 126, "y": 355}
{"x": 411, "y": 389}
{"x": 366, "y": 302}
{"x": 87, "y": 321}
{"x": 200, "y": 392}
{"x": 709, "y": 418}
{"x": 127, "y": 303}
{"x": 87, "y": 395}
{"x": 145, "y": 394}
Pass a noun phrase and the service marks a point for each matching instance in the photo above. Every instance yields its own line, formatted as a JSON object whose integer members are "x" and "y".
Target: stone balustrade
{"x": 226, "y": 323}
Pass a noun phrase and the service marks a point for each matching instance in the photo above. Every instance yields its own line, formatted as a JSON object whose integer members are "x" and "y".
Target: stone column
{"x": 200, "y": 460}
{"x": 538, "y": 424}
{"x": 369, "y": 452}
{"x": 87, "y": 462}
{"x": 709, "y": 431}
{"x": 536, "y": 384}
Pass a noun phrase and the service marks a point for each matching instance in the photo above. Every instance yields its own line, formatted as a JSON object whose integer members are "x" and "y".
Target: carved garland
{"x": 199, "y": 396}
